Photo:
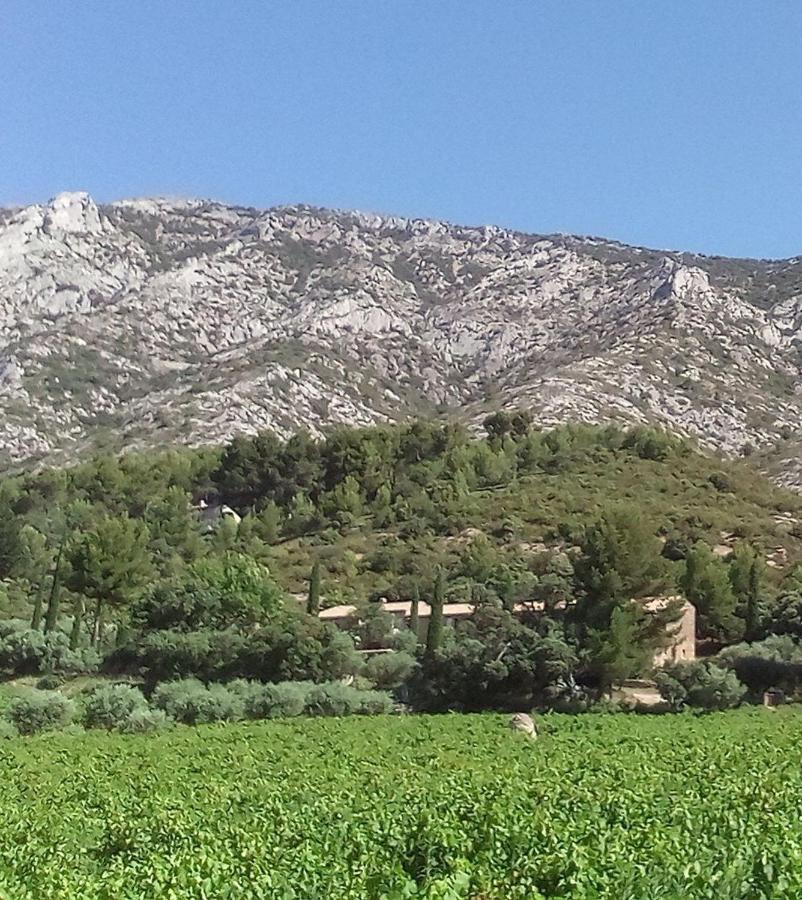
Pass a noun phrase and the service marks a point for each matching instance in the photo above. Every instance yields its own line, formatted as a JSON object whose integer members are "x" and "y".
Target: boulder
{"x": 525, "y": 724}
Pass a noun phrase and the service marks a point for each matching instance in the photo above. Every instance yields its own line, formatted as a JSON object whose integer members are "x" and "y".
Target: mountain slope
{"x": 149, "y": 320}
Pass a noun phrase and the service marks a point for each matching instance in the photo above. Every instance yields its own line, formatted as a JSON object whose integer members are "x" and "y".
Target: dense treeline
{"x": 121, "y": 564}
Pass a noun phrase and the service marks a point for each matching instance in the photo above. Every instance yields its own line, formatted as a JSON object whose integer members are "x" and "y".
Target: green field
{"x": 456, "y": 806}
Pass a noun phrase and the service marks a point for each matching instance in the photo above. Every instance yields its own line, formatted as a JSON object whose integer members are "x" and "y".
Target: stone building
{"x": 680, "y": 648}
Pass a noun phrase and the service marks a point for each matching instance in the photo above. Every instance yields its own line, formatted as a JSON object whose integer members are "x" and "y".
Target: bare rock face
{"x": 525, "y": 724}
{"x": 153, "y": 321}
{"x": 72, "y": 213}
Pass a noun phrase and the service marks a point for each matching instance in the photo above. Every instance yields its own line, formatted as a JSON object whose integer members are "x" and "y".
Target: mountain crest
{"x": 153, "y": 320}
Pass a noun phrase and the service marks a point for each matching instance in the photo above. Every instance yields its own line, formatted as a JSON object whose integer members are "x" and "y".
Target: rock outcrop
{"x": 525, "y": 724}
{"x": 149, "y": 321}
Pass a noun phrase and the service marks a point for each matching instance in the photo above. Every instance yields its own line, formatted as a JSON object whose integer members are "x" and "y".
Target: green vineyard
{"x": 437, "y": 807}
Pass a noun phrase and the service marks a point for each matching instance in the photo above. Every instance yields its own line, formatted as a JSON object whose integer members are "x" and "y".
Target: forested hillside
{"x": 119, "y": 565}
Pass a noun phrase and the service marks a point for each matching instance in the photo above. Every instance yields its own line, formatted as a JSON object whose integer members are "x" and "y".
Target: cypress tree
{"x": 313, "y": 598}
{"x": 36, "y": 618}
{"x": 55, "y": 593}
{"x": 78, "y": 615}
{"x": 753, "y": 603}
{"x": 414, "y": 611}
{"x": 434, "y": 636}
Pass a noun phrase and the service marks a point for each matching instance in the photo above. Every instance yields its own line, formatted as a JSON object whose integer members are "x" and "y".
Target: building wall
{"x": 683, "y": 639}
{"x": 682, "y": 646}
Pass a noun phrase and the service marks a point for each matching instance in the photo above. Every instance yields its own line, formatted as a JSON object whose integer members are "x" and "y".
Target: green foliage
{"x": 379, "y": 512}
{"x": 388, "y": 671}
{"x": 492, "y": 661}
{"x": 112, "y": 706}
{"x": 372, "y": 627}
{"x": 7, "y": 730}
{"x": 337, "y": 699}
{"x": 701, "y": 684}
{"x": 747, "y": 573}
{"x": 374, "y": 703}
{"x": 144, "y": 721}
{"x": 25, "y": 651}
{"x": 277, "y": 701}
{"x": 193, "y": 703}
{"x": 621, "y": 559}
{"x": 292, "y": 648}
{"x": 252, "y": 809}
{"x": 36, "y": 711}
{"x": 211, "y": 593}
{"x": 620, "y": 650}
{"x": 313, "y": 597}
{"x": 706, "y": 582}
{"x": 620, "y": 562}
{"x": 111, "y": 564}
{"x": 434, "y": 633}
{"x": 786, "y": 615}
{"x": 775, "y": 662}
{"x": 651, "y": 443}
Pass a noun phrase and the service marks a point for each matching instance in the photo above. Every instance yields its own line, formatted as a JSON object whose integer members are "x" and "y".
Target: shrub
{"x": 27, "y": 651}
{"x": 374, "y": 703}
{"x": 141, "y": 721}
{"x": 175, "y": 654}
{"x": 390, "y": 670}
{"x": 111, "y": 706}
{"x": 7, "y": 729}
{"x": 40, "y": 711}
{"x": 274, "y": 701}
{"x": 191, "y": 702}
{"x": 701, "y": 684}
{"x": 333, "y": 699}
{"x": 773, "y": 662}
{"x": 722, "y": 482}
{"x": 297, "y": 648}
{"x": 336, "y": 699}
{"x": 244, "y": 690}
{"x": 49, "y": 683}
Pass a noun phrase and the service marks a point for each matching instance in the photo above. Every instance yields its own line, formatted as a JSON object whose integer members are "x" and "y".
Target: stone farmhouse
{"x": 682, "y": 633}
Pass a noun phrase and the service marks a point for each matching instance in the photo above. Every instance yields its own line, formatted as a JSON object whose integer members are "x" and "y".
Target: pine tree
{"x": 313, "y": 598}
{"x": 110, "y": 564}
{"x": 434, "y": 635}
{"x": 706, "y": 584}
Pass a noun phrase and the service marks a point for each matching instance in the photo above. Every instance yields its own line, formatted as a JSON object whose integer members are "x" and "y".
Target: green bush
{"x": 274, "y": 701}
{"x": 49, "y": 683}
{"x": 7, "y": 729}
{"x": 191, "y": 702}
{"x": 336, "y": 699}
{"x": 27, "y": 651}
{"x": 142, "y": 721}
{"x": 111, "y": 706}
{"x": 333, "y": 699}
{"x": 701, "y": 684}
{"x": 245, "y": 690}
{"x": 773, "y": 662}
{"x": 374, "y": 703}
{"x": 40, "y": 711}
{"x": 390, "y": 670}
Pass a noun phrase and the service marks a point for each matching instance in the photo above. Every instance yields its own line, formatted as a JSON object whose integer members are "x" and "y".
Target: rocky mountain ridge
{"x": 147, "y": 321}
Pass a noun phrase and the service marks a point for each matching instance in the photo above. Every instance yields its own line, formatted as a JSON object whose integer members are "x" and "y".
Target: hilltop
{"x": 147, "y": 322}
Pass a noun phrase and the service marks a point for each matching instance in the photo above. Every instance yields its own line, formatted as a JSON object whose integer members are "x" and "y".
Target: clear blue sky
{"x": 669, "y": 124}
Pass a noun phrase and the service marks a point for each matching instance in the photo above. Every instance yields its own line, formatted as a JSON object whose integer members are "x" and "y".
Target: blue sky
{"x": 668, "y": 124}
